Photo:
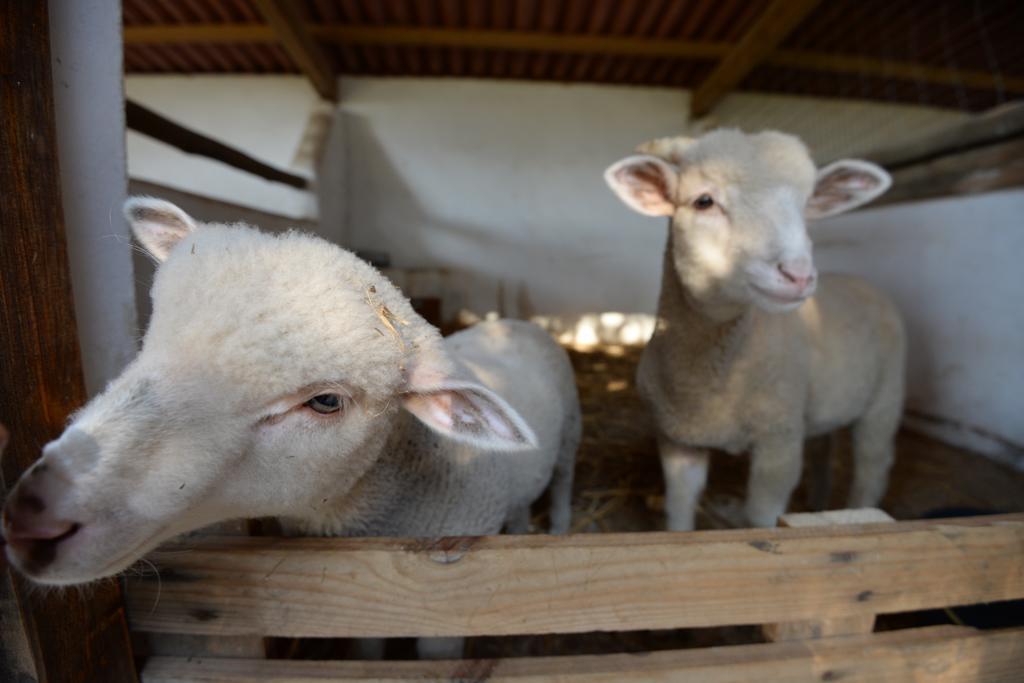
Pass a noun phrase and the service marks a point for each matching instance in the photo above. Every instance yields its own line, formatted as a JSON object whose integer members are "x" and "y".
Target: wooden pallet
{"x": 815, "y": 584}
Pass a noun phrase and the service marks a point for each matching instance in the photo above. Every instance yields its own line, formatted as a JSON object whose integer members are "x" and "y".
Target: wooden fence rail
{"x": 506, "y": 585}
{"x": 934, "y": 654}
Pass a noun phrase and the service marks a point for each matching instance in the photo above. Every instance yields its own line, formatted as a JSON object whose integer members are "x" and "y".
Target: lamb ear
{"x": 645, "y": 183}
{"x": 466, "y": 411}
{"x": 844, "y": 185}
{"x": 158, "y": 225}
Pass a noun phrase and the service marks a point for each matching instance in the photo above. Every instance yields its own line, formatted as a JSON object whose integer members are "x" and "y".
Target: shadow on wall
{"x": 952, "y": 265}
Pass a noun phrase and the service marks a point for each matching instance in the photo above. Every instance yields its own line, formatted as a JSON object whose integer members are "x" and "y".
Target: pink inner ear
{"x": 646, "y": 182}
{"x": 851, "y": 180}
{"x": 165, "y": 239}
{"x": 440, "y": 409}
{"x": 842, "y": 189}
{"x": 466, "y": 412}
{"x": 471, "y": 414}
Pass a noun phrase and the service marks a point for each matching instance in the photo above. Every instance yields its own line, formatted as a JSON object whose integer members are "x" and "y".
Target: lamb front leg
{"x": 686, "y": 473}
{"x": 774, "y": 472}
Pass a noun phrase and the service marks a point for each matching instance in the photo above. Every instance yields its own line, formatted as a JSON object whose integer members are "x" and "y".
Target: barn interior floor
{"x": 618, "y": 477}
{"x": 618, "y": 487}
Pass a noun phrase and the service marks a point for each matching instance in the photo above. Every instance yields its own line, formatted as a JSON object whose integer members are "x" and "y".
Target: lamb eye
{"x": 703, "y": 202}
{"x": 325, "y": 404}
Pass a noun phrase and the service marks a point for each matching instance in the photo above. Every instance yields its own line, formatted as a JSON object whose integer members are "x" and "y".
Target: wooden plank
{"x": 521, "y": 41}
{"x": 772, "y": 27}
{"x": 73, "y": 635}
{"x": 985, "y": 169}
{"x": 505, "y": 585}
{"x": 430, "y": 37}
{"x": 285, "y": 18}
{"x": 806, "y": 629}
{"x": 207, "y": 34}
{"x": 148, "y": 122}
{"x": 1002, "y": 124}
{"x": 537, "y": 41}
{"x": 804, "y": 520}
{"x": 191, "y": 646}
{"x": 943, "y": 654}
{"x": 884, "y": 68}
{"x": 811, "y": 629}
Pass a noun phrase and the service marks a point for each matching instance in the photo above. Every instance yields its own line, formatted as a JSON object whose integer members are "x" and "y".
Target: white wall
{"x": 85, "y": 39}
{"x": 500, "y": 183}
{"x": 954, "y": 267}
{"x": 264, "y": 116}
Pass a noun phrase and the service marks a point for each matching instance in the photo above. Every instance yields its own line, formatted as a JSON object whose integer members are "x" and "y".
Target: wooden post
{"x": 835, "y": 626}
{"x": 74, "y": 636}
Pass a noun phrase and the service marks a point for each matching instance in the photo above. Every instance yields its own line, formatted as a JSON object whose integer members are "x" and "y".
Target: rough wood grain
{"x": 191, "y": 646}
{"x": 856, "y": 624}
{"x": 771, "y": 28}
{"x": 74, "y": 636}
{"x": 941, "y": 654}
{"x": 505, "y": 585}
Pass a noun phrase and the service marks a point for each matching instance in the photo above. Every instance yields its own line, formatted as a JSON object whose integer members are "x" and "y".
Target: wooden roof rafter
{"x": 963, "y": 57}
{"x": 772, "y": 27}
{"x": 287, "y": 24}
{"x": 380, "y": 36}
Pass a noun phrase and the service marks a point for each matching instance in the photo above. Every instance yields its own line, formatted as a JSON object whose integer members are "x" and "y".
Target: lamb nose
{"x": 799, "y": 272}
{"x": 25, "y": 519}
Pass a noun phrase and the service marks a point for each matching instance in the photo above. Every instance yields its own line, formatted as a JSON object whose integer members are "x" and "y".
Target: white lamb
{"x": 744, "y": 358}
{"x": 282, "y": 376}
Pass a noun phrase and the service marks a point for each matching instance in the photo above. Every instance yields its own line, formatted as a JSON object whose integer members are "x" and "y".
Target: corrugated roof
{"x": 942, "y": 38}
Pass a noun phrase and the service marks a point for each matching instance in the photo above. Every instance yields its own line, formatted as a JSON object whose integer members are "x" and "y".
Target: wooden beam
{"x": 506, "y": 585}
{"x": 431, "y": 37}
{"x": 285, "y": 18}
{"x": 73, "y": 635}
{"x": 884, "y": 68}
{"x": 772, "y": 27}
{"x": 148, "y": 122}
{"x": 983, "y": 169}
{"x": 529, "y": 41}
{"x": 942, "y": 654}
{"x": 981, "y": 154}
{"x": 1001, "y": 124}
{"x": 209, "y": 34}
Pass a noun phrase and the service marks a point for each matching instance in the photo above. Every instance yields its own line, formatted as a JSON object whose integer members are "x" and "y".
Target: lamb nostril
{"x": 30, "y": 503}
{"x": 802, "y": 278}
{"x": 790, "y": 277}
